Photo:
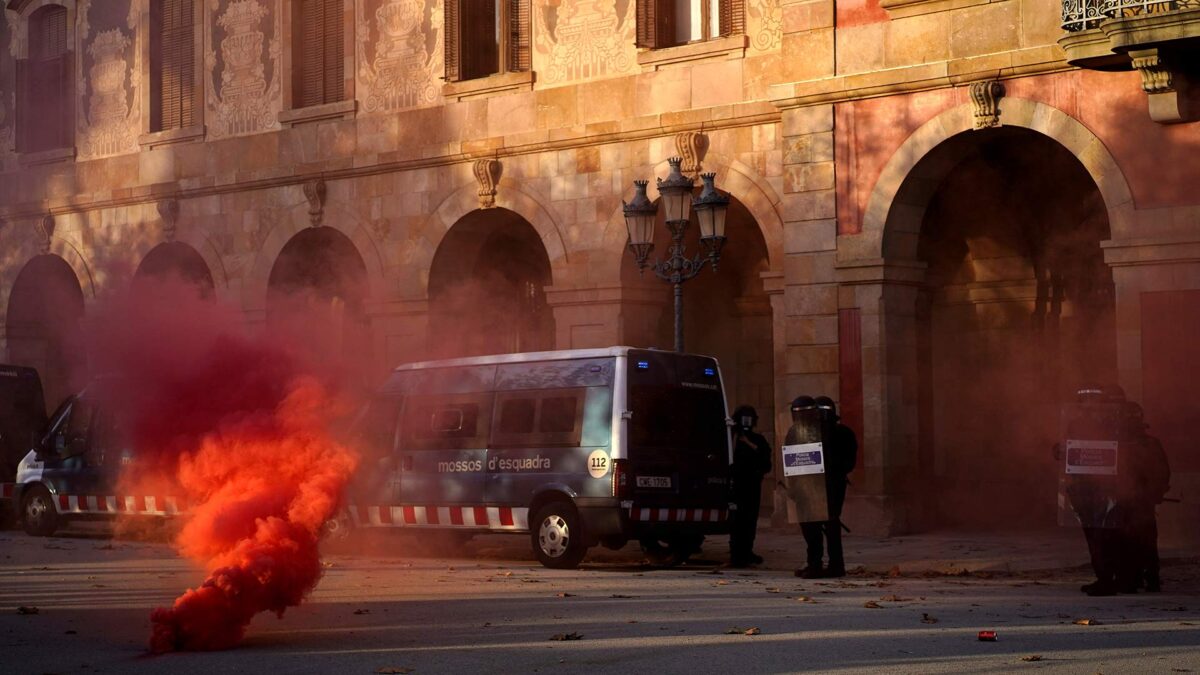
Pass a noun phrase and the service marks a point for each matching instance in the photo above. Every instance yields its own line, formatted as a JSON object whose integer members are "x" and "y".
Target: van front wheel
{"x": 38, "y": 514}
{"x": 557, "y": 536}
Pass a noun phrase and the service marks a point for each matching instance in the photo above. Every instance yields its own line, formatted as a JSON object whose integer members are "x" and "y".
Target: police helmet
{"x": 1137, "y": 417}
{"x": 802, "y": 403}
{"x": 826, "y": 403}
{"x": 745, "y": 411}
{"x": 1113, "y": 393}
{"x": 1089, "y": 392}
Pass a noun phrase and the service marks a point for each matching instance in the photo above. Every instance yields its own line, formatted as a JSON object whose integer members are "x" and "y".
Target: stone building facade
{"x": 946, "y": 213}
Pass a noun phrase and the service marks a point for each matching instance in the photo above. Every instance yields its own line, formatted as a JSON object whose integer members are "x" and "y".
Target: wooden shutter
{"x": 518, "y": 36}
{"x": 647, "y": 24}
{"x": 172, "y": 65}
{"x": 24, "y": 106}
{"x": 733, "y": 17}
{"x": 318, "y": 53}
{"x": 452, "y": 40}
{"x": 334, "y": 59}
{"x": 66, "y": 100}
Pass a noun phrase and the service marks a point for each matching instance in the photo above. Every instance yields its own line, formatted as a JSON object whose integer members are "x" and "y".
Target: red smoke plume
{"x": 237, "y": 427}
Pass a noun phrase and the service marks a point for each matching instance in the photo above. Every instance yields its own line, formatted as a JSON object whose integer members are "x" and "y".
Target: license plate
{"x": 654, "y": 481}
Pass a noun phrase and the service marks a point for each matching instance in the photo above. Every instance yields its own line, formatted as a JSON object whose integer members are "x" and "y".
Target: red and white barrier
{"x": 476, "y": 517}
{"x": 652, "y": 515}
{"x": 109, "y": 504}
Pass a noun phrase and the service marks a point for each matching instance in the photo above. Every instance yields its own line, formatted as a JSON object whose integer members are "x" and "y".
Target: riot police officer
{"x": 751, "y": 461}
{"x": 841, "y": 454}
{"x": 1150, "y": 478}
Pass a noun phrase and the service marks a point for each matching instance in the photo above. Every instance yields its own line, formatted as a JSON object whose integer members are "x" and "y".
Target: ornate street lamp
{"x": 678, "y": 202}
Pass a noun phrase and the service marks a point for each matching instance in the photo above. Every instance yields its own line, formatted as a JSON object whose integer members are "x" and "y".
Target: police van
{"x": 575, "y": 448}
{"x": 71, "y": 469}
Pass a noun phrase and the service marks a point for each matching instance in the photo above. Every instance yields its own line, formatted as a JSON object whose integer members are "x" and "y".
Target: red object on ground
{"x": 987, "y": 636}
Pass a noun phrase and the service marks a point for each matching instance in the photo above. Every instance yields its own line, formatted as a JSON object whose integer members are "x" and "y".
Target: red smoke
{"x": 237, "y": 427}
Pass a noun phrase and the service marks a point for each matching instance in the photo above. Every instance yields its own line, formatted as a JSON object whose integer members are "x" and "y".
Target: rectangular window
{"x": 670, "y": 23}
{"x": 531, "y": 419}
{"x": 45, "y": 83}
{"x": 318, "y": 57}
{"x": 447, "y": 422}
{"x": 486, "y": 37}
{"x": 172, "y": 64}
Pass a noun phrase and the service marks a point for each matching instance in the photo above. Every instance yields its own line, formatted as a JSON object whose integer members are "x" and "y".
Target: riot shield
{"x": 803, "y": 462}
{"x": 1087, "y": 458}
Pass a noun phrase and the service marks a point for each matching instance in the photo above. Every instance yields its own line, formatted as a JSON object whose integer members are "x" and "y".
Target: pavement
{"x": 388, "y": 604}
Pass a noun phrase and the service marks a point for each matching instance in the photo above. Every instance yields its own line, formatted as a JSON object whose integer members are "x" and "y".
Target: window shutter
{"x": 733, "y": 17}
{"x": 647, "y": 24}
{"x": 333, "y": 86}
{"x": 24, "y": 101}
{"x": 172, "y": 64}
{"x": 452, "y": 40}
{"x": 310, "y": 47}
{"x": 66, "y": 100}
{"x": 518, "y": 36}
{"x": 185, "y": 46}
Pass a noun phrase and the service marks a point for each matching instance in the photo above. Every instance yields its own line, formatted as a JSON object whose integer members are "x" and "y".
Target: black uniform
{"x": 1150, "y": 480}
{"x": 841, "y": 455}
{"x": 751, "y": 461}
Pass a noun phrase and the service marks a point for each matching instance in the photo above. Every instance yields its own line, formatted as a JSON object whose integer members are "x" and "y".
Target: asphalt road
{"x": 383, "y": 607}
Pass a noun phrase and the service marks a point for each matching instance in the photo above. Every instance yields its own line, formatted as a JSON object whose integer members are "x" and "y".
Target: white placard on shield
{"x": 803, "y": 459}
{"x": 1091, "y": 458}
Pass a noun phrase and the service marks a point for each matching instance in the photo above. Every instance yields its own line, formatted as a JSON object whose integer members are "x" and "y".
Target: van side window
{"x": 559, "y": 414}
{"x": 516, "y": 415}
{"x": 377, "y": 427}
{"x": 447, "y": 421}
{"x": 539, "y": 418}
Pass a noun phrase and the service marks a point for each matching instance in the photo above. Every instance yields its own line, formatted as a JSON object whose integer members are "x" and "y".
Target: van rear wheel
{"x": 557, "y": 536}
{"x": 38, "y": 514}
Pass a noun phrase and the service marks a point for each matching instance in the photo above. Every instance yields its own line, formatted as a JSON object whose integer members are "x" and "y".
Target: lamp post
{"x": 676, "y": 190}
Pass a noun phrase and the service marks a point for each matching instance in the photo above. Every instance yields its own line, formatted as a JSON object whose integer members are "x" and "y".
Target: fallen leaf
{"x": 742, "y": 631}
{"x": 894, "y": 598}
{"x": 566, "y": 595}
{"x": 362, "y": 611}
{"x": 752, "y": 631}
{"x": 722, "y": 582}
{"x": 531, "y": 581}
{"x": 618, "y": 595}
{"x": 925, "y": 618}
{"x": 1032, "y": 657}
{"x": 27, "y": 609}
{"x": 804, "y": 598}
{"x": 1087, "y": 622}
{"x": 894, "y": 572}
{"x": 394, "y": 670}
{"x": 563, "y": 637}
{"x": 772, "y": 590}
{"x": 871, "y": 604}
{"x": 326, "y": 564}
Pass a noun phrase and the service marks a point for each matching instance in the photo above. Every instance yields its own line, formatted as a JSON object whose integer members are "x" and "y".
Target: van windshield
{"x": 677, "y": 404}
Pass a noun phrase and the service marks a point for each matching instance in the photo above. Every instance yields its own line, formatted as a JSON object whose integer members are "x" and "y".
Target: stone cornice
{"x": 1151, "y": 250}
{"x": 923, "y": 77}
{"x": 343, "y": 168}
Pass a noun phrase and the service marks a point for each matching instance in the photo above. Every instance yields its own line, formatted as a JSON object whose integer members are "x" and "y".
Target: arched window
{"x": 45, "y": 83}
{"x": 318, "y": 57}
{"x": 669, "y": 23}
{"x": 172, "y": 64}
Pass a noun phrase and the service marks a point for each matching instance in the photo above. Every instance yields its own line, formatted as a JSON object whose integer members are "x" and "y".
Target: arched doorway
{"x": 487, "y": 288}
{"x": 1016, "y": 309}
{"x": 44, "y": 311}
{"x": 316, "y": 294}
{"x": 175, "y": 264}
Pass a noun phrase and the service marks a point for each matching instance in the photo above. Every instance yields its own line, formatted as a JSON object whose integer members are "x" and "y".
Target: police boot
{"x": 835, "y": 570}
{"x": 1153, "y": 583}
{"x": 755, "y": 558}
{"x": 1102, "y": 589}
{"x": 812, "y": 571}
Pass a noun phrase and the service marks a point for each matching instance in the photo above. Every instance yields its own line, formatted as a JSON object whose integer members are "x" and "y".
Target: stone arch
{"x": 45, "y": 306}
{"x": 295, "y": 219}
{"x": 179, "y": 260}
{"x": 892, "y": 218}
{"x": 734, "y": 178}
{"x": 509, "y": 195}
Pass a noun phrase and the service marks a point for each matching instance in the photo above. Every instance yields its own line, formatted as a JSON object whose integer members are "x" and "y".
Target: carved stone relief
{"x": 692, "y": 147}
{"x": 400, "y": 53}
{"x": 242, "y": 58}
{"x": 584, "y": 39}
{"x": 764, "y": 24}
{"x": 314, "y": 192}
{"x": 985, "y": 99}
{"x": 168, "y": 211}
{"x": 487, "y": 175}
{"x": 108, "y": 79}
{"x": 43, "y": 232}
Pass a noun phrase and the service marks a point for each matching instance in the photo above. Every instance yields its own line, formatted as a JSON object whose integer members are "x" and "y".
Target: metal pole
{"x": 679, "y": 316}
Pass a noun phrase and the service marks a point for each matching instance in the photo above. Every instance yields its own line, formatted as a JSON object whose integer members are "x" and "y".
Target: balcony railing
{"x": 1080, "y": 15}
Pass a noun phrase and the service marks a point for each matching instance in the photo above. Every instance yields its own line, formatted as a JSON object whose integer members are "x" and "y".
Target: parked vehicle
{"x": 575, "y": 448}
{"x": 71, "y": 468}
